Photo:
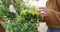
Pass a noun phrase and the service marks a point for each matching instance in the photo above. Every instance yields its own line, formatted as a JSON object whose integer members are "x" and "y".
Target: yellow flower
{"x": 36, "y": 13}
{"x": 23, "y": 12}
{"x": 33, "y": 13}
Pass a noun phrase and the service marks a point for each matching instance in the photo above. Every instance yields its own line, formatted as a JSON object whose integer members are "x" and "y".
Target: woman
{"x": 52, "y": 15}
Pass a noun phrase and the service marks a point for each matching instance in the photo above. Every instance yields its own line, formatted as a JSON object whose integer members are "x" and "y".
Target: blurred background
{"x": 21, "y": 16}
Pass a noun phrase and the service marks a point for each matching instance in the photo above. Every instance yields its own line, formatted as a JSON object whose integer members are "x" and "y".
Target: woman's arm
{"x": 53, "y": 15}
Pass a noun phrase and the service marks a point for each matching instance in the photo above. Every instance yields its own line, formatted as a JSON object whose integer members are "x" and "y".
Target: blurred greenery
{"x": 5, "y": 11}
{"x": 26, "y": 21}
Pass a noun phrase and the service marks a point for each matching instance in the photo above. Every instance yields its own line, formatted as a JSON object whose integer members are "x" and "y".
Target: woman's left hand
{"x": 44, "y": 12}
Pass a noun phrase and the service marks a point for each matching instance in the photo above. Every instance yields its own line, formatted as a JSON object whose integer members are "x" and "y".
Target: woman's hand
{"x": 43, "y": 11}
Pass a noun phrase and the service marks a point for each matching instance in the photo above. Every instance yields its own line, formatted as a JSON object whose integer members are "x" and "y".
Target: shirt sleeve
{"x": 53, "y": 16}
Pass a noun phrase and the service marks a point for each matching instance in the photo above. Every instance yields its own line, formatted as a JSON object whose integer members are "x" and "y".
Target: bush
{"x": 26, "y": 21}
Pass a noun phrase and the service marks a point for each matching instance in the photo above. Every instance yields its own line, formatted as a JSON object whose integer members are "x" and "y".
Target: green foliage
{"x": 21, "y": 25}
{"x": 26, "y": 22}
{"x": 2, "y": 16}
{"x": 5, "y": 11}
{"x": 30, "y": 15}
{"x": 19, "y": 6}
